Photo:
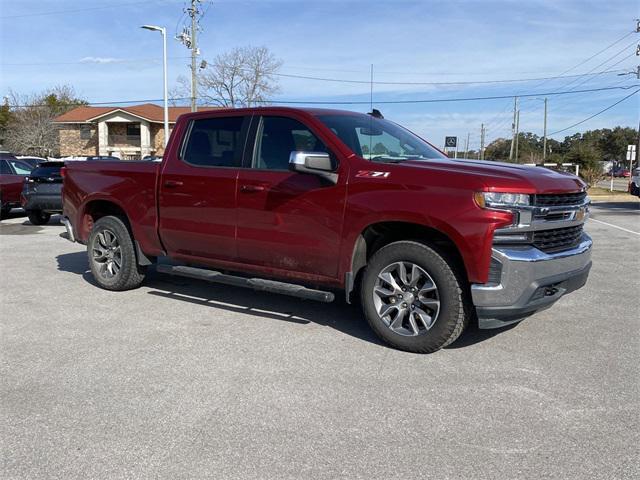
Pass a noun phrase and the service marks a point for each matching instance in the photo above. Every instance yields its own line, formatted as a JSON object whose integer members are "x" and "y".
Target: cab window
{"x": 277, "y": 137}
{"x": 215, "y": 142}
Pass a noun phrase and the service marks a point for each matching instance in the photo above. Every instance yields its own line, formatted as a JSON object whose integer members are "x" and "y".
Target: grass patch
{"x": 595, "y": 191}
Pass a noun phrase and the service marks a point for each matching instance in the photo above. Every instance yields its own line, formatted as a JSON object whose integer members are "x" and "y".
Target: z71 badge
{"x": 372, "y": 174}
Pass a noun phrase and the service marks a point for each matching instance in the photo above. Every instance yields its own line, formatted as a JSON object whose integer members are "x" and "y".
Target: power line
{"x": 599, "y": 52}
{"x": 366, "y": 102}
{"x": 596, "y": 114}
{"x": 90, "y": 61}
{"x": 611, "y": 45}
{"x": 76, "y": 10}
{"x": 473, "y": 82}
{"x": 598, "y": 66}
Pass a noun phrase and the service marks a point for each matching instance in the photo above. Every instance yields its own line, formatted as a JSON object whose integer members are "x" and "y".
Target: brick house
{"x": 129, "y": 133}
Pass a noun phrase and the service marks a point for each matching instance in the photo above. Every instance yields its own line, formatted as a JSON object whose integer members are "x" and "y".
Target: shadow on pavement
{"x": 345, "y": 318}
{"x": 613, "y": 206}
{"x": 473, "y": 335}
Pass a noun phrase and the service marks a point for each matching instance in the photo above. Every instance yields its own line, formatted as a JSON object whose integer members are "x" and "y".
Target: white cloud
{"x": 101, "y": 60}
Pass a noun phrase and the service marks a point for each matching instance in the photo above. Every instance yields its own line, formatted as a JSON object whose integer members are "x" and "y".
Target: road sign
{"x": 631, "y": 153}
{"x": 450, "y": 142}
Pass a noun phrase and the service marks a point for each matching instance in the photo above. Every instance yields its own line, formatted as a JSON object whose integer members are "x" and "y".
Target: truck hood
{"x": 501, "y": 176}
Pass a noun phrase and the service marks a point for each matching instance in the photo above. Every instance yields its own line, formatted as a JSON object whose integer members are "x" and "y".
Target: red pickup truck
{"x": 310, "y": 202}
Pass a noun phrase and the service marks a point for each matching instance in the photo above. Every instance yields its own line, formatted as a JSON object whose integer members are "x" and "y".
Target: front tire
{"x": 413, "y": 299}
{"x": 112, "y": 255}
{"x": 38, "y": 217}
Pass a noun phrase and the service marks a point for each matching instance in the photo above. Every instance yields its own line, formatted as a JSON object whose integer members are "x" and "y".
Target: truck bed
{"x": 132, "y": 185}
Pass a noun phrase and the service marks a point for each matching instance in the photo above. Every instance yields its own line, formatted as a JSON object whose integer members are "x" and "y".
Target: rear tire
{"x": 38, "y": 217}
{"x": 112, "y": 255}
{"x": 413, "y": 299}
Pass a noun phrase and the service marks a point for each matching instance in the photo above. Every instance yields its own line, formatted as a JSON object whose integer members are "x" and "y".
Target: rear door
{"x": 286, "y": 220}
{"x": 197, "y": 191}
{"x": 12, "y": 175}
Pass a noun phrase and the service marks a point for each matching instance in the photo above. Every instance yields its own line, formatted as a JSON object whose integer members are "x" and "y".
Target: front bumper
{"x": 530, "y": 280}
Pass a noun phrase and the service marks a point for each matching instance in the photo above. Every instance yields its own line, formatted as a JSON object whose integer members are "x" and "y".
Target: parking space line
{"x": 615, "y": 226}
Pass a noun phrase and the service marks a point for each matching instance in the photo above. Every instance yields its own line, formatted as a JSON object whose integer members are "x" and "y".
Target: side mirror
{"x": 314, "y": 163}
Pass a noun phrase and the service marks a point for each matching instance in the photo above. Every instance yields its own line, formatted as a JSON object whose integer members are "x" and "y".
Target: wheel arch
{"x": 97, "y": 208}
{"x": 377, "y": 235}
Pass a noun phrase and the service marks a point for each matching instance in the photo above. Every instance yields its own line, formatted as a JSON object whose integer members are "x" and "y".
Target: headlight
{"x": 502, "y": 200}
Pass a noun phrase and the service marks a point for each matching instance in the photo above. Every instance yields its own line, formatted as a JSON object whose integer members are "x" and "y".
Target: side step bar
{"x": 259, "y": 284}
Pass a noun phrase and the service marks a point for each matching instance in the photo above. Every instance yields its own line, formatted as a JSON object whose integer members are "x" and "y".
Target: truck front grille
{"x": 559, "y": 199}
{"x": 557, "y": 239}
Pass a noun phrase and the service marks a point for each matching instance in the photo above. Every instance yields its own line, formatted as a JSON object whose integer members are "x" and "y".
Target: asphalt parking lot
{"x": 182, "y": 379}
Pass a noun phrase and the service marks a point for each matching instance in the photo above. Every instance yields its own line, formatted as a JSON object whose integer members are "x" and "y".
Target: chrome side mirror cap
{"x": 313, "y": 163}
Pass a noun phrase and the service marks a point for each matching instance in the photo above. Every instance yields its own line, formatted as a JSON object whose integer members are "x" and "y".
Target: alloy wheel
{"x": 406, "y": 299}
{"x": 107, "y": 254}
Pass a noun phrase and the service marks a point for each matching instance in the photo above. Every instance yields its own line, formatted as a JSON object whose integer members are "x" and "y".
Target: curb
{"x": 614, "y": 198}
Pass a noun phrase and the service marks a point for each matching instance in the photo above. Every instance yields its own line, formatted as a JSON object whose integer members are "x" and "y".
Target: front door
{"x": 198, "y": 190}
{"x": 289, "y": 222}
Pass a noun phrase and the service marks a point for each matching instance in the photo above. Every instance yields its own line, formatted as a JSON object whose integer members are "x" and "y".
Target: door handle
{"x": 172, "y": 183}
{"x": 251, "y": 188}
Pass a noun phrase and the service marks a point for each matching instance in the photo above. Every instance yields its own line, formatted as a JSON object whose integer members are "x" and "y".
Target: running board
{"x": 259, "y": 284}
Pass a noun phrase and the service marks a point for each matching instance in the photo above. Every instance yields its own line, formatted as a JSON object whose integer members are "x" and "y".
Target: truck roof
{"x": 309, "y": 110}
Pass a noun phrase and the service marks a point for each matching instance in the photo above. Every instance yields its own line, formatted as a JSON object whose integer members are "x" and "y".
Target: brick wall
{"x": 71, "y": 143}
{"x": 157, "y": 137}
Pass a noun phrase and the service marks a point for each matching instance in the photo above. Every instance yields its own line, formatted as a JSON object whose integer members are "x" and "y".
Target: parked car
{"x": 298, "y": 202}
{"x": 12, "y": 175}
{"x": 621, "y": 173}
{"x": 634, "y": 183}
{"x": 32, "y": 161}
{"x": 42, "y": 192}
{"x": 103, "y": 157}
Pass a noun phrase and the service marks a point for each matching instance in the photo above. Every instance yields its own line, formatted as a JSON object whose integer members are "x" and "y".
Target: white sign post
{"x": 631, "y": 156}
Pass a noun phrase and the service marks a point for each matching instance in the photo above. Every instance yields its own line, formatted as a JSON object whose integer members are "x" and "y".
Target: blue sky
{"x": 106, "y": 56}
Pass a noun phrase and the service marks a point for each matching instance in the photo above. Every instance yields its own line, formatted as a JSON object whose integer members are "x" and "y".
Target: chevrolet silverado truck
{"x": 314, "y": 202}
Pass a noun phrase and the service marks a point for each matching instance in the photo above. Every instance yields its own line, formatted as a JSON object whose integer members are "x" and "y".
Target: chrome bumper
{"x": 530, "y": 280}
{"x": 69, "y": 233}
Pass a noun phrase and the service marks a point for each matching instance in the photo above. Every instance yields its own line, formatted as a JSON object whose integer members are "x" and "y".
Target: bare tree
{"x": 242, "y": 77}
{"x": 30, "y": 127}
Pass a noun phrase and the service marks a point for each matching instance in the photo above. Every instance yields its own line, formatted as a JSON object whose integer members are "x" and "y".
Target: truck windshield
{"x": 379, "y": 140}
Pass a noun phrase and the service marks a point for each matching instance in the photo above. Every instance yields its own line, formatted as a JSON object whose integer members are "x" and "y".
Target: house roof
{"x": 147, "y": 111}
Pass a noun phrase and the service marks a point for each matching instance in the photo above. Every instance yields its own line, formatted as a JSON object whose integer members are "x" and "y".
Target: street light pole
{"x": 163, "y": 31}
{"x": 544, "y": 140}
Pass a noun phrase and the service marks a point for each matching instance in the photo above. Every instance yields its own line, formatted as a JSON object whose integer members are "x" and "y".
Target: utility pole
{"x": 193, "y": 12}
{"x": 513, "y": 128}
{"x": 188, "y": 37}
{"x": 544, "y": 139}
{"x": 466, "y": 146}
{"x": 517, "y": 133}
{"x": 482, "y": 141}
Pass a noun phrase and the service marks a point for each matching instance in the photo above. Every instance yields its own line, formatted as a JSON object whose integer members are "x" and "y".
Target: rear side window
{"x": 215, "y": 142}
{"x": 5, "y": 168}
{"x": 21, "y": 168}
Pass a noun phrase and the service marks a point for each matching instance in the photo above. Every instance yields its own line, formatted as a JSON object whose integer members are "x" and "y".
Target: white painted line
{"x": 614, "y": 226}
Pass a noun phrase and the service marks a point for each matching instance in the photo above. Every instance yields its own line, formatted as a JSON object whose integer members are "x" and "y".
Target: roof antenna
{"x": 375, "y": 113}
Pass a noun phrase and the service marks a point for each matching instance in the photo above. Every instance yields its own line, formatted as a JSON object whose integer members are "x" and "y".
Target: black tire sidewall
{"x": 448, "y": 289}
{"x": 38, "y": 217}
{"x": 123, "y": 279}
